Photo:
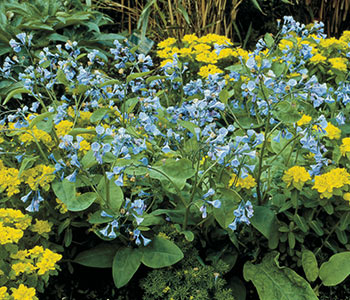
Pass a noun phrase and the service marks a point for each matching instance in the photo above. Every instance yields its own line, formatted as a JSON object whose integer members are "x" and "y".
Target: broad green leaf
{"x": 100, "y": 256}
{"x": 64, "y": 190}
{"x": 229, "y": 201}
{"x": 99, "y": 114}
{"x": 27, "y": 162}
{"x": 39, "y": 118}
{"x": 81, "y": 202}
{"x": 336, "y": 269}
{"x": 88, "y": 160}
{"x": 238, "y": 288}
{"x": 170, "y": 170}
{"x": 125, "y": 264}
{"x": 310, "y": 266}
{"x": 264, "y": 220}
{"x": 188, "y": 125}
{"x": 61, "y": 77}
{"x": 81, "y": 131}
{"x": 137, "y": 75}
{"x": 116, "y": 196}
{"x": 269, "y": 40}
{"x": 277, "y": 283}
{"x": 14, "y": 93}
{"x": 161, "y": 253}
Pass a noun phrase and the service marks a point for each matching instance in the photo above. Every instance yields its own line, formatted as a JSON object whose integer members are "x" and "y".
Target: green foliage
{"x": 336, "y": 269}
{"x": 188, "y": 279}
{"x": 274, "y": 282}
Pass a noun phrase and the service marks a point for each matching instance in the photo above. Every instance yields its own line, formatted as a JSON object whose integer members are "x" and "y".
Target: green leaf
{"x": 14, "y": 93}
{"x": 61, "y": 77}
{"x": 100, "y": 256}
{"x": 171, "y": 170}
{"x": 116, "y": 195}
{"x": 277, "y": 283}
{"x": 229, "y": 201}
{"x": 125, "y": 264}
{"x": 344, "y": 221}
{"x": 269, "y": 40}
{"x": 99, "y": 114}
{"x": 39, "y": 118}
{"x": 64, "y": 190}
{"x": 137, "y": 75}
{"x": 161, "y": 253}
{"x": 264, "y": 220}
{"x": 316, "y": 226}
{"x": 310, "y": 266}
{"x": 81, "y": 202}
{"x": 301, "y": 223}
{"x": 26, "y": 164}
{"x": 80, "y": 131}
{"x": 336, "y": 269}
{"x": 188, "y": 125}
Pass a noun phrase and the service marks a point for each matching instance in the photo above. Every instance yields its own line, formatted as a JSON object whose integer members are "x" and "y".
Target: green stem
{"x": 328, "y": 236}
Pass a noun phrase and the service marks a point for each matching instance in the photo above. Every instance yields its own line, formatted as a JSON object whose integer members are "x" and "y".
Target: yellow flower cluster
{"x": 345, "y": 146}
{"x": 41, "y": 227}
{"x": 21, "y": 293}
{"x": 296, "y": 176}
{"x": 9, "y": 180}
{"x": 35, "y": 135}
{"x": 305, "y": 119}
{"x": 335, "y": 179}
{"x": 332, "y": 132}
{"x": 244, "y": 183}
{"x": 63, "y": 127}
{"x": 202, "y": 51}
{"x": 329, "y": 51}
{"x": 205, "y": 71}
{"x": 37, "y": 260}
{"x": 9, "y": 235}
{"x": 39, "y": 175}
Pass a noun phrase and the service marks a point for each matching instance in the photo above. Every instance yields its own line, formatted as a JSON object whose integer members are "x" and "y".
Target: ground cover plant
{"x": 242, "y": 155}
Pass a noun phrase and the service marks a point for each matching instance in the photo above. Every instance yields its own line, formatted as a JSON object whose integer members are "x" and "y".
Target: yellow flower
{"x": 346, "y": 196}
{"x": 190, "y": 38}
{"x": 36, "y": 251}
{"x": 47, "y": 261}
{"x": 305, "y": 119}
{"x": 41, "y": 227}
{"x": 332, "y": 131}
{"x": 63, "y": 128}
{"x": 61, "y": 206}
{"x": 245, "y": 183}
{"x": 167, "y": 43}
{"x": 9, "y": 235}
{"x": 338, "y": 63}
{"x": 285, "y": 45}
{"x": 3, "y": 293}
{"x": 297, "y": 176}
{"x": 23, "y": 267}
{"x": 84, "y": 146}
{"x": 209, "y": 57}
{"x": 318, "y": 58}
{"x": 205, "y": 71}
{"x": 23, "y": 293}
{"x": 20, "y": 255}
{"x": 335, "y": 179}
{"x": 345, "y": 146}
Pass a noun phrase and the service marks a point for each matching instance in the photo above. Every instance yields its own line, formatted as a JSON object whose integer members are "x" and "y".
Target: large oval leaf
{"x": 309, "y": 263}
{"x": 81, "y": 202}
{"x": 99, "y": 257}
{"x": 161, "y": 253}
{"x": 336, "y": 269}
{"x": 125, "y": 264}
{"x": 277, "y": 283}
